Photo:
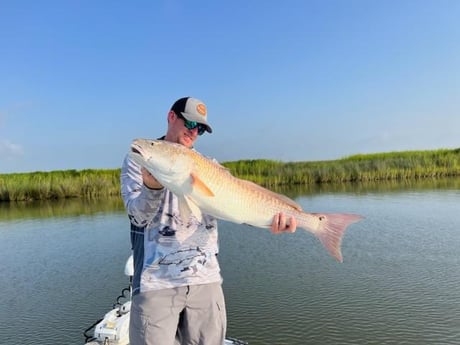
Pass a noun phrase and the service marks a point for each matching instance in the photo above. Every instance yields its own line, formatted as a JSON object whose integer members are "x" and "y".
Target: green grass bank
{"x": 93, "y": 183}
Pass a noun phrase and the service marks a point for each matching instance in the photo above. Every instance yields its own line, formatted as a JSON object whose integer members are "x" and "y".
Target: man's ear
{"x": 171, "y": 116}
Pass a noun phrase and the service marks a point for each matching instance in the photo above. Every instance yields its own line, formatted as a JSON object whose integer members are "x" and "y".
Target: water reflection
{"x": 58, "y": 208}
{"x": 76, "y": 206}
{"x": 295, "y": 191}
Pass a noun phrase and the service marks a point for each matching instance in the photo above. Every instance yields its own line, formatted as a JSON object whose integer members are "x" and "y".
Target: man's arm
{"x": 141, "y": 198}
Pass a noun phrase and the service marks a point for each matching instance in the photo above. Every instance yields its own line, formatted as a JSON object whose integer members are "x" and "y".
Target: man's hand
{"x": 150, "y": 181}
{"x": 280, "y": 224}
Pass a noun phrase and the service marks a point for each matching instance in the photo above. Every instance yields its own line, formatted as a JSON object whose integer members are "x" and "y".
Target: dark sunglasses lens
{"x": 189, "y": 124}
{"x": 192, "y": 124}
{"x": 201, "y": 129}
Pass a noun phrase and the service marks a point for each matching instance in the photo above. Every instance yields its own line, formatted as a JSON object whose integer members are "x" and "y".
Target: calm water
{"x": 61, "y": 269}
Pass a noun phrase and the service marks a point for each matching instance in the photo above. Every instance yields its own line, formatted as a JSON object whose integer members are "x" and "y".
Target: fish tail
{"x": 331, "y": 229}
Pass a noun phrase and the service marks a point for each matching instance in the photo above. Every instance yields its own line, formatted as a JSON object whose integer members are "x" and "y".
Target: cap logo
{"x": 201, "y": 109}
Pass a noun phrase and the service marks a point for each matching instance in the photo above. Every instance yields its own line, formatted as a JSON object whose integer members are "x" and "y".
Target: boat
{"x": 113, "y": 328}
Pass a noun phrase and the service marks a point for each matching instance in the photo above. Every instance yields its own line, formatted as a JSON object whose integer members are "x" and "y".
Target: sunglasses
{"x": 193, "y": 124}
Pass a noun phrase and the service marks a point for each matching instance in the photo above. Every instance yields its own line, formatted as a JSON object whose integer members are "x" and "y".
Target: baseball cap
{"x": 193, "y": 110}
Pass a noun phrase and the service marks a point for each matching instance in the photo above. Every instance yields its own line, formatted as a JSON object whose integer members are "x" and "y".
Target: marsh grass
{"x": 356, "y": 168}
{"x": 59, "y": 184}
{"x": 361, "y": 168}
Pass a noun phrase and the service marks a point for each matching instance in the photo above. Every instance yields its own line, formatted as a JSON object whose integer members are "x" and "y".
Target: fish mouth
{"x": 135, "y": 150}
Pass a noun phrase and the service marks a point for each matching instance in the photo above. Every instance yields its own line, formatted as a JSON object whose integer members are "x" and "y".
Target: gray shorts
{"x": 186, "y": 315}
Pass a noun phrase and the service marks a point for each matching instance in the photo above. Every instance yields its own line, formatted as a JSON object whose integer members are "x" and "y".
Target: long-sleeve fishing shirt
{"x": 168, "y": 251}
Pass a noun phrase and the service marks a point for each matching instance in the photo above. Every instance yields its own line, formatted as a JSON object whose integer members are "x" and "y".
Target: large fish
{"x": 204, "y": 186}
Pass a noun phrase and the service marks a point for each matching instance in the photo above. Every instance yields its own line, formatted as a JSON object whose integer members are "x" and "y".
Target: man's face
{"x": 178, "y": 133}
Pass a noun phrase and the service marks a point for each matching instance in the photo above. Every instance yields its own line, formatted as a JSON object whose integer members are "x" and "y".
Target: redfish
{"x": 204, "y": 186}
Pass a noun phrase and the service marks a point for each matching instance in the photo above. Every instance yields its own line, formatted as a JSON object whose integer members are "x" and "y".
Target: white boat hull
{"x": 113, "y": 329}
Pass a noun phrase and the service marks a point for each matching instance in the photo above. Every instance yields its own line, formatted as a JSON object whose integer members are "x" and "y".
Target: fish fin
{"x": 331, "y": 228}
{"x": 187, "y": 208}
{"x": 223, "y": 168}
{"x": 200, "y": 186}
{"x": 280, "y": 197}
{"x": 184, "y": 209}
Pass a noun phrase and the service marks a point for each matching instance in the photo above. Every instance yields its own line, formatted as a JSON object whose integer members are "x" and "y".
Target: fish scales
{"x": 243, "y": 201}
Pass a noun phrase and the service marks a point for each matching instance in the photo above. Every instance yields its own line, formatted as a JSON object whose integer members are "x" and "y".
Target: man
{"x": 177, "y": 292}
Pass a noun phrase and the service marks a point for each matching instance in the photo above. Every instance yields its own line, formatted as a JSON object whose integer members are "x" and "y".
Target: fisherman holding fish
{"x": 177, "y": 293}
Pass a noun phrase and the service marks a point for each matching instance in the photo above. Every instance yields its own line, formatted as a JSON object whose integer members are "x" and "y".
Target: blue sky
{"x": 293, "y": 80}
